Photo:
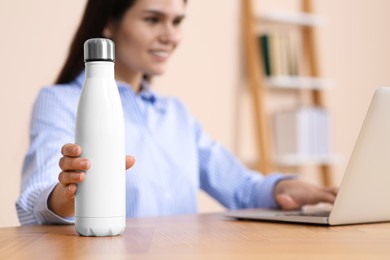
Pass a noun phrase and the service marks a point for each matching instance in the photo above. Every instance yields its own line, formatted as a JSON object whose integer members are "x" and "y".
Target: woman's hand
{"x": 293, "y": 194}
{"x": 61, "y": 199}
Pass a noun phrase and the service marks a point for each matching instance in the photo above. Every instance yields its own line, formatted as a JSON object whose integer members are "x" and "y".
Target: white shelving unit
{"x": 261, "y": 85}
{"x": 298, "y": 160}
{"x": 295, "y": 82}
{"x": 293, "y": 18}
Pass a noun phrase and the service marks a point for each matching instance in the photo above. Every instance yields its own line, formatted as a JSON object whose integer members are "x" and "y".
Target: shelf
{"x": 278, "y": 25}
{"x": 293, "y": 18}
{"x": 291, "y": 82}
{"x": 299, "y": 160}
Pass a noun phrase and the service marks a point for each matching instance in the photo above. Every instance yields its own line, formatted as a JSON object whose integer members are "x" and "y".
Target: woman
{"x": 174, "y": 156}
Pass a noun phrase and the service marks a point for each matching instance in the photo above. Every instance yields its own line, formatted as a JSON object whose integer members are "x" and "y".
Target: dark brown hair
{"x": 97, "y": 14}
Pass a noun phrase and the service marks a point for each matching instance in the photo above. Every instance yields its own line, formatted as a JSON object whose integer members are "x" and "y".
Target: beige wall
{"x": 35, "y": 36}
{"x": 206, "y": 73}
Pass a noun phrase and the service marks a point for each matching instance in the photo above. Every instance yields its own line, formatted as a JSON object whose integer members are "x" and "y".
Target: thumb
{"x": 130, "y": 160}
{"x": 286, "y": 202}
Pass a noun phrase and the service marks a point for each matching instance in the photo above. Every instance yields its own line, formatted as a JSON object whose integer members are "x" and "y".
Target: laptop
{"x": 364, "y": 193}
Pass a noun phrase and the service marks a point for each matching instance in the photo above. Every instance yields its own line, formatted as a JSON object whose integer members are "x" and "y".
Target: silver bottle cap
{"x": 99, "y": 49}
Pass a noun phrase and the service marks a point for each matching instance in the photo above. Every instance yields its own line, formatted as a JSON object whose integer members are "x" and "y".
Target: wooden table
{"x": 209, "y": 236}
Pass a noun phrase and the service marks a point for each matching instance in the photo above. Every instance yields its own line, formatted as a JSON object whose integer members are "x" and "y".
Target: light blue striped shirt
{"x": 174, "y": 158}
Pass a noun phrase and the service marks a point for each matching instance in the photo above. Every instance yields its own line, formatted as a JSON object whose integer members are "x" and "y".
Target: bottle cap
{"x": 99, "y": 49}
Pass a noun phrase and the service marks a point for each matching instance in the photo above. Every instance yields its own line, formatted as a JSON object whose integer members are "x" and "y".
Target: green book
{"x": 264, "y": 46}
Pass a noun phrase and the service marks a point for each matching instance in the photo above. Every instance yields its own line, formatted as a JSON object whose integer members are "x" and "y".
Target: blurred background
{"x": 206, "y": 73}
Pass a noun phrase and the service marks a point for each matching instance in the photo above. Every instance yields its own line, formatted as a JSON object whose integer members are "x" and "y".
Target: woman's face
{"x": 146, "y": 36}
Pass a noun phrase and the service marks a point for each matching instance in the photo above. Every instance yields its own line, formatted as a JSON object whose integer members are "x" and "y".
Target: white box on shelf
{"x": 302, "y": 133}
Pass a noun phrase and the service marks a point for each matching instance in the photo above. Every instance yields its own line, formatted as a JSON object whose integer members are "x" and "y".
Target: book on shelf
{"x": 264, "y": 44}
{"x": 303, "y": 132}
{"x": 280, "y": 53}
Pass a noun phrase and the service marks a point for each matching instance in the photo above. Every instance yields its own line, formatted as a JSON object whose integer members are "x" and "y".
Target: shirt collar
{"x": 146, "y": 93}
{"x": 79, "y": 80}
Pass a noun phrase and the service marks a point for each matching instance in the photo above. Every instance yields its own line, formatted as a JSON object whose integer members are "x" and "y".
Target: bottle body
{"x": 100, "y": 201}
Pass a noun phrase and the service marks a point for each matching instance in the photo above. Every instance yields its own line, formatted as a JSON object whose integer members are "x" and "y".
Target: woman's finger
{"x": 327, "y": 197}
{"x": 70, "y": 191}
{"x": 333, "y": 190}
{"x": 286, "y": 202}
{"x": 130, "y": 160}
{"x": 74, "y": 164}
{"x": 66, "y": 178}
{"x": 71, "y": 150}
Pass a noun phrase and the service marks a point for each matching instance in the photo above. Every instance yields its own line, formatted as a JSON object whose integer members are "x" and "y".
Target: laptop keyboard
{"x": 312, "y": 213}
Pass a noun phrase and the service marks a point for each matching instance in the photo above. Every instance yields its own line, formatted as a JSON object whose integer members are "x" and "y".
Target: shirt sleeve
{"x": 52, "y": 125}
{"x": 226, "y": 179}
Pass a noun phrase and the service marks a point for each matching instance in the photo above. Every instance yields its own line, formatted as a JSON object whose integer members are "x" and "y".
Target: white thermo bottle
{"x": 100, "y": 201}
